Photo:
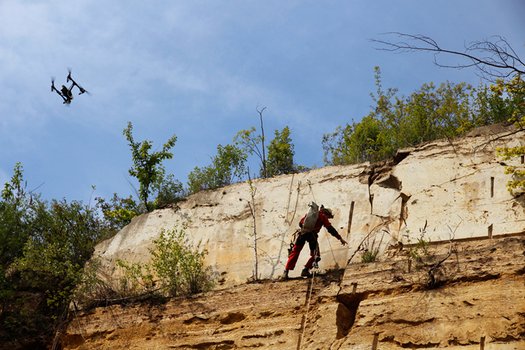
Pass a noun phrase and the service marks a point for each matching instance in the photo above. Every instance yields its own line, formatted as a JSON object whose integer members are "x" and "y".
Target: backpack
{"x": 310, "y": 218}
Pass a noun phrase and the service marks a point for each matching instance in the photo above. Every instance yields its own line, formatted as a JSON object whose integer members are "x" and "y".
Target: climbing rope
{"x": 286, "y": 221}
{"x": 311, "y": 189}
{"x": 305, "y": 316}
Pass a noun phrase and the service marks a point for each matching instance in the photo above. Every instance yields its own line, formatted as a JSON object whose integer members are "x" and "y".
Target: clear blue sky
{"x": 199, "y": 69}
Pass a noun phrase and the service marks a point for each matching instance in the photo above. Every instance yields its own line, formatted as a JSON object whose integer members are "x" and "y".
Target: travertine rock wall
{"x": 444, "y": 189}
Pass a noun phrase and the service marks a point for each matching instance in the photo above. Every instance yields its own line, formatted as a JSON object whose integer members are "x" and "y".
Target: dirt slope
{"x": 477, "y": 297}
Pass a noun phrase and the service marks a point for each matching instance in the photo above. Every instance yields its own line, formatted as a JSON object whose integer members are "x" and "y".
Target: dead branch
{"x": 494, "y": 59}
{"x": 519, "y": 128}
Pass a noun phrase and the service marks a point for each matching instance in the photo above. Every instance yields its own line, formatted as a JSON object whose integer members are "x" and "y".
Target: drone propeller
{"x": 82, "y": 90}
{"x": 69, "y": 75}
{"x": 52, "y": 83}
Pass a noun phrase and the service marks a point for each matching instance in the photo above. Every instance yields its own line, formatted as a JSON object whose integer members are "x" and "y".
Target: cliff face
{"x": 478, "y": 297}
{"x": 441, "y": 190}
{"x": 449, "y": 274}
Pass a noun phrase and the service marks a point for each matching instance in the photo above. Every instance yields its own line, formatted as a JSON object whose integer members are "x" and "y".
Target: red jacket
{"x": 322, "y": 220}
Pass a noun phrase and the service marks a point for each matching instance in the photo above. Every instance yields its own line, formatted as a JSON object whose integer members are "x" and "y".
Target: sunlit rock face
{"x": 442, "y": 190}
{"x": 476, "y": 301}
{"x": 449, "y": 272}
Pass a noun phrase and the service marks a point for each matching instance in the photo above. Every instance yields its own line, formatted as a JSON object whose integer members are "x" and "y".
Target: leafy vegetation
{"x": 179, "y": 266}
{"x": 371, "y": 248}
{"x": 147, "y": 166}
{"x": 254, "y": 144}
{"x": 228, "y": 164}
{"x": 432, "y": 112}
{"x": 118, "y": 211}
{"x": 280, "y": 151}
{"x": 280, "y": 154}
{"x": 44, "y": 246}
{"x": 512, "y": 95}
{"x": 419, "y": 251}
{"x": 169, "y": 191}
{"x": 176, "y": 268}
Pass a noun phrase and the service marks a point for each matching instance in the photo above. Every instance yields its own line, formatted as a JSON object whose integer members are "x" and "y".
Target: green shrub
{"x": 369, "y": 256}
{"x": 178, "y": 266}
{"x": 371, "y": 248}
{"x": 419, "y": 252}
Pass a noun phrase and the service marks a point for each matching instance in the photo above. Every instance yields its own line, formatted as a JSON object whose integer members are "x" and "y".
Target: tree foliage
{"x": 44, "y": 246}
{"x": 516, "y": 185}
{"x": 254, "y": 144}
{"x": 280, "y": 154}
{"x": 15, "y": 217}
{"x": 118, "y": 211}
{"x": 251, "y": 144}
{"x": 496, "y": 61}
{"x": 176, "y": 268}
{"x": 147, "y": 165}
{"x": 228, "y": 164}
{"x": 513, "y": 95}
{"x": 431, "y": 112}
{"x": 169, "y": 191}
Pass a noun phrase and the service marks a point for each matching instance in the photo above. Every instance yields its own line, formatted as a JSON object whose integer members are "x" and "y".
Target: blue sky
{"x": 200, "y": 69}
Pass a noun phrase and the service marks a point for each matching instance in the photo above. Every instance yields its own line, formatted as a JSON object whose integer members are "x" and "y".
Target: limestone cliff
{"x": 444, "y": 189}
{"x": 450, "y": 271}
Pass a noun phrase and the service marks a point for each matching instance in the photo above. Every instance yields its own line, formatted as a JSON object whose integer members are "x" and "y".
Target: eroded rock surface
{"x": 479, "y": 297}
{"x": 449, "y": 271}
{"x": 441, "y": 190}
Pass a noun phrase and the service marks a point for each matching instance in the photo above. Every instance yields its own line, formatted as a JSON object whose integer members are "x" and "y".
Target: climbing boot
{"x": 284, "y": 277}
{"x": 306, "y": 273}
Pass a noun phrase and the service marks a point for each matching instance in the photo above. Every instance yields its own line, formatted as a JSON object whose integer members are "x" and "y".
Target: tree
{"x": 118, "y": 211}
{"x": 513, "y": 93}
{"x": 516, "y": 185}
{"x": 356, "y": 143}
{"x": 62, "y": 240}
{"x": 169, "y": 191}
{"x": 264, "y": 172}
{"x": 254, "y": 144}
{"x": 280, "y": 154}
{"x": 43, "y": 249}
{"x": 15, "y": 216}
{"x": 492, "y": 58}
{"x": 227, "y": 165}
{"x": 147, "y": 166}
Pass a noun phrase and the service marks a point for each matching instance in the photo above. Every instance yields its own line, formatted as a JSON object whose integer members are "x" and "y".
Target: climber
{"x": 310, "y": 236}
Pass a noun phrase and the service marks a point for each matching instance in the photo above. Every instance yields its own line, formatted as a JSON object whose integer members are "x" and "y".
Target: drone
{"x": 65, "y": 92}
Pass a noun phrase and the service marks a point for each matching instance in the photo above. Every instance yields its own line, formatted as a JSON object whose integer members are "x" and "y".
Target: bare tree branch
{"x": 264, "y": 172}
{"x": 493, "y": 58}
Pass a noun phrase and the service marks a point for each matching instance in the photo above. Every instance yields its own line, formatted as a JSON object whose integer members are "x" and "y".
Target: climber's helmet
{"x": 328, "y": 212}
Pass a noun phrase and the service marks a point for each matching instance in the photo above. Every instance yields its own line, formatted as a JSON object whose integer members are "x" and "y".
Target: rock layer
{"x": 479, "y": 298}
